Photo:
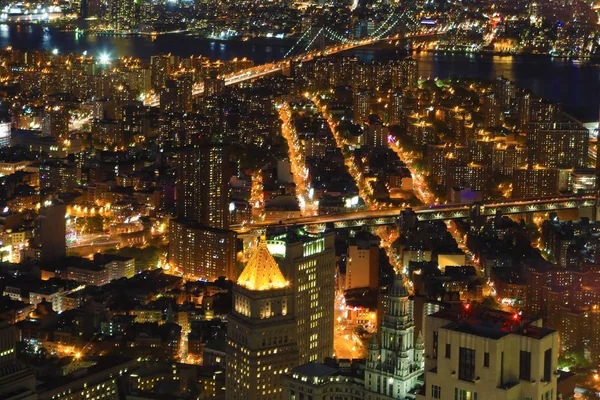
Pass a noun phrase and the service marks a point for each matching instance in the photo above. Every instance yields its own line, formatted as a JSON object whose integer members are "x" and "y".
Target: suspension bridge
{"x": 311, "y": 44}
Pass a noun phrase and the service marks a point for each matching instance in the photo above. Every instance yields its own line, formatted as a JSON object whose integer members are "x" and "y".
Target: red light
{"x": 515, "y": 316}
{"x": 467, "y": 306}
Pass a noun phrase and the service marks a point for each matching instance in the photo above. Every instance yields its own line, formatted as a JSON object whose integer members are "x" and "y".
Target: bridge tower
{"x": 321, "y": 42}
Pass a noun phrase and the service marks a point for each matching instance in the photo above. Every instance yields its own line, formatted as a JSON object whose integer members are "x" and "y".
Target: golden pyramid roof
{"x": 262, "y": 271}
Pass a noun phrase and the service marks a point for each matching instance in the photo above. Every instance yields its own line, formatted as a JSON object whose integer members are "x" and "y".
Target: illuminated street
{"x": 297, "y": 161}
{"x": 347, "y": 344}
{"x": 364, "y": 189}
{"x": 423, "y": 193}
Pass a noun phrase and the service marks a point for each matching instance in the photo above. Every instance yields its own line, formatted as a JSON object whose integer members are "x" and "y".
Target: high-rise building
{"x": 524, "y": 111}
{"x": 377, "y": 133}
{"x": 201, "y": 252}
{"x": 530, "y": 182}
{"x": 16, "y": 381}
{"x": 261, "y": 331}
{"x": 362, "y": 267}
{"x": 396, "y": 108}
{"x": 200, "y": 244}
{"x": 123, "y": 14}
{"x": 161, "y": 68}
{"x": 50, "y": 231}
{"x": 559, "y": 146}
{"x": 5, "y": 134}
{"x": 505, "y": 91}
{"x": 460, "y": 175}
{"x": 544, "y": 111}
{"x": 394, "y": 366}
{"x": 213, "y": 84}
{"x": 490, "y": 110}
{"x": 404, "y": 73}
{"x": 203, "y": 185}
{"x": 361, "y": 105}
{"x": 488, "y": 354}
{"x": 392, "y": 371}
{"x": 176, "y": 95}
{"x": 410, "y": 72}
{"x": 308, "y": 263}
{"x": 55, "y": 122}
{"x": 507, "y": 157}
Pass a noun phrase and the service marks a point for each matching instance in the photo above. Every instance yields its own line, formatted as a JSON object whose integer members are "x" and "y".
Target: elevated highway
{"x": 390, "y": 216}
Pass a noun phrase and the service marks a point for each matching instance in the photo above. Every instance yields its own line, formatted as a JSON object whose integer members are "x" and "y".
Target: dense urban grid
{"x": 320, "y": 226}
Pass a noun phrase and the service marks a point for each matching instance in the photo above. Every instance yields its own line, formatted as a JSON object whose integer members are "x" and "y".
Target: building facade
{"x": 488, "y": 354}
{"x": 394, "y": 366}
{"x": 308, "y": 263}
{"x": 261, "y": 331}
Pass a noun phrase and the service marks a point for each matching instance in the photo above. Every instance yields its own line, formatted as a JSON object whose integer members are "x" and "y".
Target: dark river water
{"x": 576, "y": 85}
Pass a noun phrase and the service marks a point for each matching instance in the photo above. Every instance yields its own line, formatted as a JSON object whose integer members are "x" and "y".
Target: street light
{"x": 104, "y": 59}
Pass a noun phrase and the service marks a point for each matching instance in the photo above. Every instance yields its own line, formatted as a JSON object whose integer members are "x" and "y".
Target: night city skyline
{"x": 300, "y": 200}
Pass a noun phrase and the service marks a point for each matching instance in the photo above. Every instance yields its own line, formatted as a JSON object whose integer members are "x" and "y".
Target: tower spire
{"x": 262, "y": 271}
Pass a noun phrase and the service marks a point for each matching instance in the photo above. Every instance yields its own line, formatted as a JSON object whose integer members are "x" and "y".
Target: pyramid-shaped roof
{"x": 262, "y": 271}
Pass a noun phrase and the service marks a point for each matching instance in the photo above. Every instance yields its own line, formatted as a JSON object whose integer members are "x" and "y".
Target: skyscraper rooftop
{"x": 262, "y": 271}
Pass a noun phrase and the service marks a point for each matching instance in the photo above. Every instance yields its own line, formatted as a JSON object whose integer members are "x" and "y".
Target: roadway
{"x": 512, "y": 207}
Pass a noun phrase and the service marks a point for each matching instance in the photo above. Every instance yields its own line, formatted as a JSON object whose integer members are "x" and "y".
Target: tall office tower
{"x": 123, "y": 14}
{"x": 560, "y": 146}
{"x": 161, "y": 68}
{"x": 261, "y": 331}
{"x": 362, "y": 268}
{"x": 50, "y": 231}
{"x": 200, "y": 244}
{"x": 490, "y": 110}
{"x": 361, "y": 105}
{"x": 203, "y": 185}
{"x": 16, "y": 381}
{"x": 505, "y": 91}
{"x": 393, "y": 368}
{"x": 176, "y": 96}
{"x": 524, "y": 111}
{"x": 308, "y": 262}
{"x": 488, "y": 354}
